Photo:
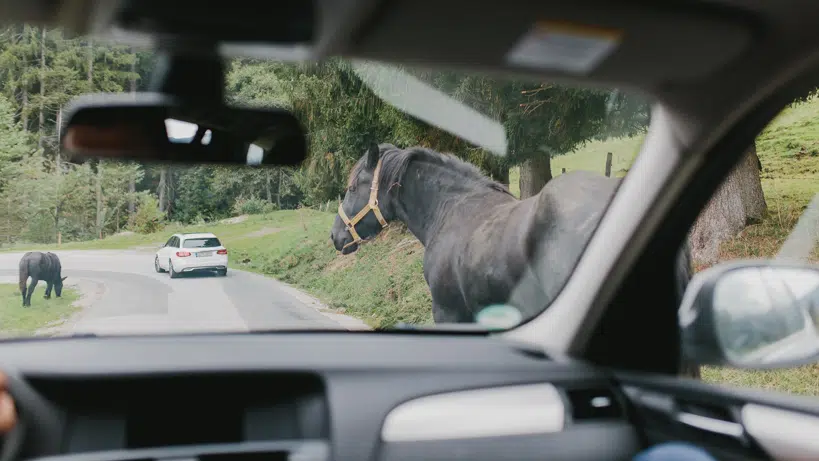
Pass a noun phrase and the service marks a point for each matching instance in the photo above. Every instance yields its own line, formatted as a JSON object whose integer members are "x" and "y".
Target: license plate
{"x": 204, "y": 254}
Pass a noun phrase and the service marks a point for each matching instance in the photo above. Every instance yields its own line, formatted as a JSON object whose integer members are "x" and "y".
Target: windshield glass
{"x": 201, "y": 243}
{"x": 489, "y": 188}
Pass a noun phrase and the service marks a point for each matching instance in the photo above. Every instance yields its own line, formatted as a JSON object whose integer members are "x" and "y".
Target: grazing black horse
{"x": 40, "y": 266}
{"x": 483, "y": 245}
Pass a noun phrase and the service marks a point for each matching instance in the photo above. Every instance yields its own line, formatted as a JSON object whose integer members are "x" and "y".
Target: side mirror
{"x": 758, "y": 314}
{"x": 162, "y": 246}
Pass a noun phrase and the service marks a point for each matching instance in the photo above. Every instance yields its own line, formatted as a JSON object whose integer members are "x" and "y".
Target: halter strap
{"x": 372, "y": 205}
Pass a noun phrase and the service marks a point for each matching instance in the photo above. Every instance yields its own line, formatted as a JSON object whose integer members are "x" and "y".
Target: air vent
{"x": 597, "y": 403}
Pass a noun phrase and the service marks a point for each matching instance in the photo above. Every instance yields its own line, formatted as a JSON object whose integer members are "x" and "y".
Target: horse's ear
{"x": 63, "y": 279}
{"x": 373, "y": 153}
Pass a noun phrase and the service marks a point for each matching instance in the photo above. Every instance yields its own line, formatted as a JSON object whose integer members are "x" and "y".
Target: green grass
{"x": 591, "y": 157}
{"x": 382, "y": 283}
{"x": 15, "y": 320}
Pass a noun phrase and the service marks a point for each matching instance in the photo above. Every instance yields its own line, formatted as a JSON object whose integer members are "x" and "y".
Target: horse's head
{"x": 58, "y": 286}
{"x": 360, "y": 214}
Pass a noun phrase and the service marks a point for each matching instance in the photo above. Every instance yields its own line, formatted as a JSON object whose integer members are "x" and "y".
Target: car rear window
{"x": 208, "y": 242}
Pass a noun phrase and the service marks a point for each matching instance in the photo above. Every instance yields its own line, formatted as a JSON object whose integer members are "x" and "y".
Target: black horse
{"x": 483, "y": 245}
{"x": 40, "y": 266}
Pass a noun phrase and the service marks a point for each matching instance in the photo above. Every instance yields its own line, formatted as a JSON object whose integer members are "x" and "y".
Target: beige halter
{"x": 372, "y": 205}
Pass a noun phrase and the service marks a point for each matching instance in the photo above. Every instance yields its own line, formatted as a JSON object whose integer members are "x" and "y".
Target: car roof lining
{"x": 658, "y": 45}
{"x": 668, "y": 42}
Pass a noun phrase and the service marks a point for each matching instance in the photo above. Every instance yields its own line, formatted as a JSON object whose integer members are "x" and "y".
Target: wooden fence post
{"x": 608, "y": 164}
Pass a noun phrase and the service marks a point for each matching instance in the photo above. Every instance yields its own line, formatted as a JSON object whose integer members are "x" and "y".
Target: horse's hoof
{"x": 46, "y": 297}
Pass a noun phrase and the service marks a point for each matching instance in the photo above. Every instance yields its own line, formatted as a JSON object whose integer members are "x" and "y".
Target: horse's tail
{"x": 683, "y": 272}
{"x": 24, "y": 273}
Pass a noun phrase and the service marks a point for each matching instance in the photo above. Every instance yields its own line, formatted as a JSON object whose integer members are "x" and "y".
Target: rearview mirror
{"x": 156, "y": 128}
{"x": 758, "y": 314}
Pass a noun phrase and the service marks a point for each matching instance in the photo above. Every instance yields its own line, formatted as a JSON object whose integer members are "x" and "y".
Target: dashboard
{"x": 321, "y": 396}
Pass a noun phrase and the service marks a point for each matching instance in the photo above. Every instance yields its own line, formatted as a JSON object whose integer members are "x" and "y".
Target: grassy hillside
{"x": 382, "y": 283}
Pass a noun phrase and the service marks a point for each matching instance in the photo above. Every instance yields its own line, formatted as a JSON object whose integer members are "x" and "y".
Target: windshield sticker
{"x": 564, "y": 47}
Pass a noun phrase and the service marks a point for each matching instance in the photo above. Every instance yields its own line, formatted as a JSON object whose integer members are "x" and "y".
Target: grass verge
{"x": 15, "y": 320}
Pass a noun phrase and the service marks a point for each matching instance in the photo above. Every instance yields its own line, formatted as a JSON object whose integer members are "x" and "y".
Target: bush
{"x": 147, "y": 219}
{"x": 40, "y": 229}
{"x": 252, "y": 205}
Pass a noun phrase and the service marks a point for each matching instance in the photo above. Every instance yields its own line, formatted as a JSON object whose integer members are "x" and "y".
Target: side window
{"x": 767, "y": 209}
{"x": 169, "y": 243}
{"x": 174, "y": 242}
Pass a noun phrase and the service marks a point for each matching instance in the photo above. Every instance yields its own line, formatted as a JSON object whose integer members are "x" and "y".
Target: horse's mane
{"x": 395, "y": 161}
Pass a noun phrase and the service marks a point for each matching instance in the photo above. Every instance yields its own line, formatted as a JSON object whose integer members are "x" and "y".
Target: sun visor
{"x": 643, "y": 44}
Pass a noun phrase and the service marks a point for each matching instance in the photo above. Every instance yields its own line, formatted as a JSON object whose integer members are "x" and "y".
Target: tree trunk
{"x": 100, "y": 222}
{"x": 267, "y": 188}
{"x": 24, "y": 109}
{"x": 90, "y": 68}
{"x": 131, "y": 180}
{"x": 58, "y": 155}
{"x": 534, "y": 174}
{"x": 738, "y": 202}
{"x": 131, "y": 193}
{"x": 163, "y": 178}
{"x": 57, "y": 233}
{"x": 41, "y": 126}
{"x": 279, "y": 189}
{"x": 170, "y": 195}
{"x": 751, "y": 188}
{"x": 608, "y": 164}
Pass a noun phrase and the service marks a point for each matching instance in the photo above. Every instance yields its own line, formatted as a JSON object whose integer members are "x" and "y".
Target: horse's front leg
{"x": 439, "y": 314}
{"x": 690, "y": 370}
{"x": 447, "y": 315}
{"x": 49, "y": 285}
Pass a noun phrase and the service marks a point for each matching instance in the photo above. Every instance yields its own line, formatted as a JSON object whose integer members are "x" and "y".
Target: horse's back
{"x": 40, "y": 265}
{"x": 29, "y": 258}
{"x": 54, "y": 261}
{"x": 493, "y": 261}
{"x": 561, "y": 221}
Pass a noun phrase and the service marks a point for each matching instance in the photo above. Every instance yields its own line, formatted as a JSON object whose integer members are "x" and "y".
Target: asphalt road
{"x": 122, "y": 294}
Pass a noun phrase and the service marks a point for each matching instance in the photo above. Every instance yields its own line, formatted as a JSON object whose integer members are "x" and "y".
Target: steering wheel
{"x": 39, "y": 427}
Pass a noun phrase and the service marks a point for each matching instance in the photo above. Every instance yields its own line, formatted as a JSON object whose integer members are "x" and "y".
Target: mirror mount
{"x": 191, "y": 71}
{"x": 752, "y": 314}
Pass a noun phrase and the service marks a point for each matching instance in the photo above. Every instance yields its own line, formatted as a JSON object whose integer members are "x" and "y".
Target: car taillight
{"x": 221, "y": 252}
{"x": 182, "y": 254}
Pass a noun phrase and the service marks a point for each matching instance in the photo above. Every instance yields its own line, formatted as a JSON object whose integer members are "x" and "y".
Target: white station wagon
{"x": 185, "y": 253}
